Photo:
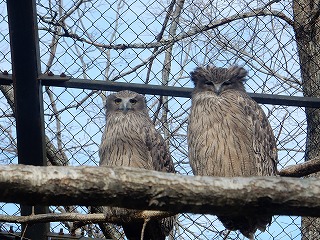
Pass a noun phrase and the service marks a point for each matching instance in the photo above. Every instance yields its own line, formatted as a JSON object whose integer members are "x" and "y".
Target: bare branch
{"x": 160, "y": 35}
{"x": 75, "y": 105}
{"x": 270, "y": 3}
{"x": 302, "y": 169}
{"x": 285, "y": 117}
{"x": 241, "y": 53}
{"x": 143, "y": 63}
{"x": 194, "y": 31}
{"x": 54, "y": 156}
{"x": 87, "y": 218}
{"x": 68, "y": 13}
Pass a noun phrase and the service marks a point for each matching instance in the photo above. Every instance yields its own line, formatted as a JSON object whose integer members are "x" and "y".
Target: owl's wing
{"x": 265, "y": 155}
{"x": 102, "y": 149}
{"x": 263, "y": 140}
{"x": 159, "y": 151}
{"x": 162, "y": 161}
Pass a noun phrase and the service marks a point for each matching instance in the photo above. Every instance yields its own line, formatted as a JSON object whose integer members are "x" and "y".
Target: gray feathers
{"x": 229, "y": 135}
{"x": 130, "y": 139}
{"x": 218, "y": 79}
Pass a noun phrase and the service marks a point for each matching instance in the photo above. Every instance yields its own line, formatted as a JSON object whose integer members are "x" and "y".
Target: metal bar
{"x": 25, "y": 57}
{"x": 311, "y": 102}
{"x": 68, "y": 82}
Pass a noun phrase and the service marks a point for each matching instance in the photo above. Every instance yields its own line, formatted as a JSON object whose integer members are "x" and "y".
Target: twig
{"x": 145, "y": 222}
{"x": 143, "y": 63}
{"x": 281, "y": 126}
{"x": 24, "y": 231}
{"x": 159, "y": 36}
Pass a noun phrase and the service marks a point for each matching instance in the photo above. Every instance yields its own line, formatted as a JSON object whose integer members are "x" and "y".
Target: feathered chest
{"x": 225, "y": 110}
{"x": 231, "y": 132}
{"x": 125, "y": 128}
{"x": 124, "y": 142}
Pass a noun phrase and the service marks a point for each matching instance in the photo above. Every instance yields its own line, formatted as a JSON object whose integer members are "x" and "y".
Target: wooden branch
{"x": 302, "y": 169}
{"x": 151, "y": 190}
{"x": 52, "y": 217}
{"x": 86, "y": 218}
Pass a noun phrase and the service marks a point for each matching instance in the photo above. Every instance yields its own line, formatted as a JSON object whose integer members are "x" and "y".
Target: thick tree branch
{"x": 302, "y": 169}
{"x": 151, "y": 190}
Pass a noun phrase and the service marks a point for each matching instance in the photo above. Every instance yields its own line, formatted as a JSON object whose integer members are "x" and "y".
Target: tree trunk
{"x": 307, "y": 32}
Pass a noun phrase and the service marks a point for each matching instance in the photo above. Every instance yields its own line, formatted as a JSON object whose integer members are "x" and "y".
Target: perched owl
{"x": 229, "y": 135}
{"x": 130, "y": 139}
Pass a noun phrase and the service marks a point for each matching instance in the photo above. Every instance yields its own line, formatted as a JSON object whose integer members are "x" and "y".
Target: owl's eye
{"x": 208, "y": 83}
{"x": 118, "y": 100}
{"x": 226, "y": 83}
{"x": 133, "y": 101}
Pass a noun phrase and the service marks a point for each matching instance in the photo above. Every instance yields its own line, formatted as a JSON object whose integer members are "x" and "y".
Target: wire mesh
{"x": 8, "y": 138}
{"x": 158, "y": 42}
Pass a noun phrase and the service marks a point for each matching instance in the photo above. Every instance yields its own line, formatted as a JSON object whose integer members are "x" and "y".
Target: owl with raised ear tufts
{"x": 229, "y": 135}
{"x": 131, "y": 140}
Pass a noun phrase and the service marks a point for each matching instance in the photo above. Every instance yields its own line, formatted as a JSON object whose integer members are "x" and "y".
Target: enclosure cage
{"x": 60, "y": 59}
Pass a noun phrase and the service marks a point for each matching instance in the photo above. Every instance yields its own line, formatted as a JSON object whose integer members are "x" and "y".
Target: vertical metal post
{"x": 24, "y": 43}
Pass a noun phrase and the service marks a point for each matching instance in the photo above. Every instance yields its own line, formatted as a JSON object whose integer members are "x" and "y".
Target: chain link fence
{"x": 158, "y": 43}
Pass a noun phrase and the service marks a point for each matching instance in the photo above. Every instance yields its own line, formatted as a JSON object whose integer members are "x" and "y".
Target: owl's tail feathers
{"x": 247, "y": 225}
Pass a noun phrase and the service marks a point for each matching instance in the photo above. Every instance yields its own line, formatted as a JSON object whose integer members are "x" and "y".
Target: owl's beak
{"x": 217, "y": 89}
{"x": 125, "y": 106}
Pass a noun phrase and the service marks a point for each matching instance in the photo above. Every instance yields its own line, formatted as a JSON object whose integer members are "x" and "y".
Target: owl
{"x": 130, "y": 139}
{"x": 229, "y": 135}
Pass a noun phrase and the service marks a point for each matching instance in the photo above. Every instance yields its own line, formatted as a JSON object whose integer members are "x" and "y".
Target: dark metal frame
{"x": 22, "y": 18}
{"x": 28, "y": 81}
{"x": 68, "y": 82}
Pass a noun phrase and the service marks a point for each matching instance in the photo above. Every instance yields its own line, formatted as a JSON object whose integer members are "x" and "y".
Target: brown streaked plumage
{"x": 130, "y": 139}
{"x": 229, "y": 135}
